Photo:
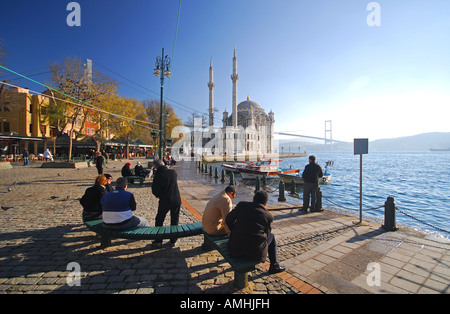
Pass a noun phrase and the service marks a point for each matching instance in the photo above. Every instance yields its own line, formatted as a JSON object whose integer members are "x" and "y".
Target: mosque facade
{"x": 248, "y": 129}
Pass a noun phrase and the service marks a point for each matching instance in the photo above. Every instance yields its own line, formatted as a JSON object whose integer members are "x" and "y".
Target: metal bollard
{"x": 389, "y": 215}
{"x": 206, "y": 168}
{"x": 292, "y": 186}
{"x": 231, "y": 178}
{"x": 281, "y": 197}
{"x": 257, "y": 185}
{"x": 216, "y": 175}
{"x": 210, "y": 171}
{"x": 223, "y": 176}
{"x": 264, "y": 180}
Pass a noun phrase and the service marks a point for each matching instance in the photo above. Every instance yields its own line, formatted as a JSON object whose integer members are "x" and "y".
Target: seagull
{"x": 5, "y": 207}
{"x": 9, "y": 189}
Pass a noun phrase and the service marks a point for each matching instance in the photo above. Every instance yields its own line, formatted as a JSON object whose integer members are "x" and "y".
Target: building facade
{"x": 23, "y": 122}
{"x": 248, "y": 130}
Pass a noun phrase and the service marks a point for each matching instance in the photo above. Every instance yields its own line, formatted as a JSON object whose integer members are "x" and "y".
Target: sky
{"x": 307, "y": 61}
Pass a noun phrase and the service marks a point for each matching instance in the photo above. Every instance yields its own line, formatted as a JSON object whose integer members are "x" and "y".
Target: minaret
{"x": 234, "y": 78}
{"x": 211, "y": 94}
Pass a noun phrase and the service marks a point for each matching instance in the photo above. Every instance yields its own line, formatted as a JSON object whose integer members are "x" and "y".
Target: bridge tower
{"x": 329, "y": 134}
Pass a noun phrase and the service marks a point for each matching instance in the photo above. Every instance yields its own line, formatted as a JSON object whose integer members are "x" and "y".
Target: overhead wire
{"x": 172, "y": 101}
{"x": 78, "y": 103}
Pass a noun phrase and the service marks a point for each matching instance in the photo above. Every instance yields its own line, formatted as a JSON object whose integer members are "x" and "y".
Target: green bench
{"x": 141, "y": 179}
{"x": 143, "y": 233}
{"x": 241, "y": 266}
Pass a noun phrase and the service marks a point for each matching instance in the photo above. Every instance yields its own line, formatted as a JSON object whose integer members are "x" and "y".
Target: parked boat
{"x": 234, "y": 167}
{"x": 265, "y": 167}
{"x": 287, "y": 178}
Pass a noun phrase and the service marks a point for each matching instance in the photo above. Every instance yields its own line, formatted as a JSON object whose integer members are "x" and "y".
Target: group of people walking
{"x": 248, "y": 225}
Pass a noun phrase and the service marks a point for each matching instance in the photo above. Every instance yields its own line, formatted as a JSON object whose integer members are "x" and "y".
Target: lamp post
{"x": 162, "y": 70}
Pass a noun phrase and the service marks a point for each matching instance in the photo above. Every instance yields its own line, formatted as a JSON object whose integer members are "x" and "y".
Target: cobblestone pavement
{"x": 42, "y": 233}
{"x": 324, "y": 252}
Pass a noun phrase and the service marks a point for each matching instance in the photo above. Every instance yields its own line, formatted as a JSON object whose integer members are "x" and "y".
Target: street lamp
{"x": 162, "y": 70}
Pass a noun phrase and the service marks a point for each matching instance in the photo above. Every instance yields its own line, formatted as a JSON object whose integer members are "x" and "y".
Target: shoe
{"x": 302, "y": 210}
{"x": 276, "y": 268}
{"x": 317, "y": 210}
{"x": 172, "y": 244}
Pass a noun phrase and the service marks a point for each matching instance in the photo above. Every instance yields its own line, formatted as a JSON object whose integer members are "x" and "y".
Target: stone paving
{"x": 42, "y": 233}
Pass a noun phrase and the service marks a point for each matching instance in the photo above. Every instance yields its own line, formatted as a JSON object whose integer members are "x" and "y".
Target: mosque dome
{"x": 249, "y": 104}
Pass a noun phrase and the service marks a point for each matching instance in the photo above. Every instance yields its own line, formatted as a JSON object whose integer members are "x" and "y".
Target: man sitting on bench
{"x": 140, "y": 171}
{"x": 118, "y": 207}
{"x": 251, "y": 237}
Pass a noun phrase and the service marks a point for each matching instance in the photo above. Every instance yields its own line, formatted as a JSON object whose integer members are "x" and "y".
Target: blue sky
{"x": 308, "y": 61}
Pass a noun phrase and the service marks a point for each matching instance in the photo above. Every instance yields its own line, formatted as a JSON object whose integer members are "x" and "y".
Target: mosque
{"x": 249, "y": 129}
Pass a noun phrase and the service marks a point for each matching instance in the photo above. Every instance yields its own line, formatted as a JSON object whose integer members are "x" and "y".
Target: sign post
{"x": 361, "y": 147}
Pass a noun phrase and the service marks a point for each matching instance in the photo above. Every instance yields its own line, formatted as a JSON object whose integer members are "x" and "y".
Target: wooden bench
{"x": 141, "y": 179}
{"x": 143, "y": 233}
{"x": 241, "y": 266}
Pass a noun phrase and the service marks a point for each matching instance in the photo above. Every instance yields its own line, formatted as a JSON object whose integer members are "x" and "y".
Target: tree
{"x": 171, "y": 120}
{"x": 79, "y": 94}
{"x": 125, "y": 120}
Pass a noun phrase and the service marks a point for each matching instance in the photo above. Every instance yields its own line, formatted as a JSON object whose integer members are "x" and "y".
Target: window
{"x": 43, "y": 129}
{"x": 5, "y": 107}
{"x": 6, "y": 127}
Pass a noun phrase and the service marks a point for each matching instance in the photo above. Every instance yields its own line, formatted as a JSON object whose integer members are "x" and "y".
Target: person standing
{"x": 99, "y": 162}
{"x": 165, "y": 187}
{"x": 311, "y": 175}
{"x": 251, "y": 236}
{"x": 26, "y": 155}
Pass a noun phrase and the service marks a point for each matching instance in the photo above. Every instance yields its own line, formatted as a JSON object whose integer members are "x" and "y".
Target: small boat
{"x": 234, "y": 167}
{"x": 264, "y": 167}
{"x": 287, "y": 178}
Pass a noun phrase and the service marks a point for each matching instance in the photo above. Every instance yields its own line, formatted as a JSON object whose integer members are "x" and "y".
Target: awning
{"x": 12, "y": 138}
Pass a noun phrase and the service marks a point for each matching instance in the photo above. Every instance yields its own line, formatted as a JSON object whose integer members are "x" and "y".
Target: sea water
{"x": 418, "y": 181}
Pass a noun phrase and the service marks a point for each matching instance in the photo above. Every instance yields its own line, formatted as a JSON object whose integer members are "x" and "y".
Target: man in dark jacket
{"x": 165, "y": 187}
{"x": 251, "y": 237}
{"x": 311, "y": 175}
{"x": 99, "y": 161}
